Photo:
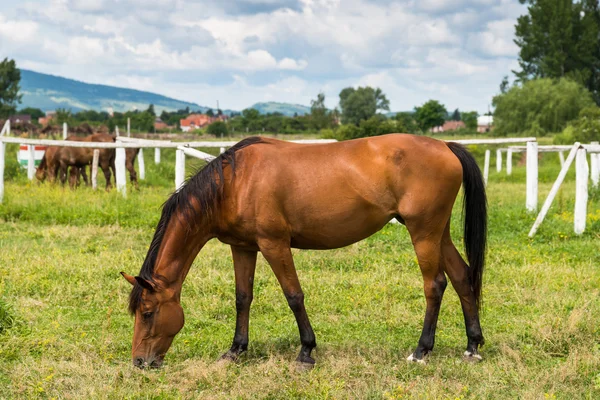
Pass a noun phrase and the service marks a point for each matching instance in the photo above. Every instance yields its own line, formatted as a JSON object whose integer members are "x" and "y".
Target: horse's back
{"x": 331, "y": 195}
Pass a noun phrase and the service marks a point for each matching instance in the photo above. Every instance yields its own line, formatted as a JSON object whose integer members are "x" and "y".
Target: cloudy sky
{"x": 244, "y": 51}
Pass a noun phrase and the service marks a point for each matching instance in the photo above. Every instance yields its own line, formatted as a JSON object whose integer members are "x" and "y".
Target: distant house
{"x": 160, "y": 124}
{"x": 45, "y": 121}
{"x": 448, "y": 126}
{"x": 485, "y": 123}
{"x": 198, "y": 121}
{"x": 20, "y": 118}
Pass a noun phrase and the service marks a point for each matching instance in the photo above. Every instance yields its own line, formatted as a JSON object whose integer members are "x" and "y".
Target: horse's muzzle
{"x": 142, "y": 363}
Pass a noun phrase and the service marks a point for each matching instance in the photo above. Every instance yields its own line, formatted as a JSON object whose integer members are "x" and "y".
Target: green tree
{"x": 218, "y": 128}
{"x": 455, "y": 115}
{"x": 542, "y": 105}
{"x": 10, "y": 77}
{"x": 430, "y": 114}
{"x": 361, "y": 104}
{"x": 251, "y": 119}
{"x": 584, "y": 129}
{"x": 560, "y": 38}
{"x": 210, "y": 113}
{"x": 319, "y": 116}
{"x": 63, "y": 115}
{"x": 470, "y": 119}
{"x": 405, "y": 123}
{"x": 150, "y": 110}
{"x": 504, "y": 85}
{"x": 35, "y": 113}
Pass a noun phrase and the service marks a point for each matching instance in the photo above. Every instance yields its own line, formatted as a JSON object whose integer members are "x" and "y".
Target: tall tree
{"x": 361, "y": 104}
{"x": 150, "y": 110}
{"x": 210, "y": 113}
{"x": 560, "y": 38}
{"x": 319, "y": 116}
{"x": 456, "y": 115}
{"x": 539, "y": 106}
{"x": 430, "y": 114}
{"x": 10, "y": 77}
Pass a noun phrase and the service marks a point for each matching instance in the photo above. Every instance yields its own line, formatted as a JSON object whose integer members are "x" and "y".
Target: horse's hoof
{"x": 412, "y": 358}
{"x": 304, "y": 366}
{"x": 228, "y": 357}
{"x": 305, "y": 363}
{"x": 471, "y": 357}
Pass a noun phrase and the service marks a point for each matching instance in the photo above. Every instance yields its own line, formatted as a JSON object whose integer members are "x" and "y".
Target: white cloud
{"x": 18, "y": 31}
{"x": 272, "y": 49}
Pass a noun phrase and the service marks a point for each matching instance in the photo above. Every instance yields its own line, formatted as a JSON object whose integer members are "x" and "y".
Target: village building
{"x": 198, "y": 121}
{"x": 45, "y": 121}
{"x": 485, "y": 123}
{"x": 448, "y": 126}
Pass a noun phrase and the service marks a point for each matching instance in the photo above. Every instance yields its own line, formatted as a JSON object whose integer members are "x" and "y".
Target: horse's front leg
{"x": 244, "y": 264}
{"x": 279, "y": 256}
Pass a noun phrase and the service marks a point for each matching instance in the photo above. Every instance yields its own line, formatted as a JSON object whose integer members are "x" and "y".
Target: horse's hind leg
{"x": 84, "y": 175}
{"x": 244, "y": 264}
{"x": 428, "y": 249}
{"x": 279, "y": 256}
{"x": 106, "y": 170}
{"x": 457, "y": 271}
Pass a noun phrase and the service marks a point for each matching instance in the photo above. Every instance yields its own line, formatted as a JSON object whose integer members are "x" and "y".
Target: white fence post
{"x": 30, "y": 162}
{"x": 95, "y": 161}
{"x": 554, "y": 190}
{"x": 595, "y": 167}
{"x": 65, "y": 131}
{"x": 222, "y": 150}
{"x": 532, "y": 176}
{"x": 157, "y": 155}
{"x": 120, "y": 179}
{"x": 581, "y": 191}
{"x": 179, "y": 168}
{"x": 117, "y": 131}
{"x": 509, "y": 162}
{"x": 498, "y": 160}
{"x": 561, "y": 157}
{"x": 5, "y": 127}
{"x": 141, "y": 165}
{"x": 2, "y": 152}
{"x": 128, "y": 127}
{"x": 486, "y": 167}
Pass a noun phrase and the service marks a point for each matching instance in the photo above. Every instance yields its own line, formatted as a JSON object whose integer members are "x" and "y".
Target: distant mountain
{"x": 283, "y": 108}
{"x": 49, "y": 92}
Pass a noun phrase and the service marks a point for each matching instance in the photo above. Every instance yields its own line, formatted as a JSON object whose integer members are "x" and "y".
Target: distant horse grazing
{"x": 81, "y": 157}
{"x": 48, "y": 167}
{"x": 268, "y": 195}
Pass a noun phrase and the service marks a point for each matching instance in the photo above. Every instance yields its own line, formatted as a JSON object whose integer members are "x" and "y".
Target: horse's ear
{"x": 144, "y": 283}
{"x": 128, "y": 278}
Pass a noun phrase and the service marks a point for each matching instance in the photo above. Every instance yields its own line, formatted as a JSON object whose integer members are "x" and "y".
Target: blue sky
{"x": 242, "y": 52}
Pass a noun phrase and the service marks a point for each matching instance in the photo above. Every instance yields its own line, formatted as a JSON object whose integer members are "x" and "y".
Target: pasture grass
{"x": 66, "y": 332}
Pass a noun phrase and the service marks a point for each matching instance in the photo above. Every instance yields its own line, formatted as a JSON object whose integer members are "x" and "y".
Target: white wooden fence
{"x": 184, "y": 149}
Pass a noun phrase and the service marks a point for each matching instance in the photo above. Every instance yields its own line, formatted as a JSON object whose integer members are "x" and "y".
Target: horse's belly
{"x": 333, "y": 234}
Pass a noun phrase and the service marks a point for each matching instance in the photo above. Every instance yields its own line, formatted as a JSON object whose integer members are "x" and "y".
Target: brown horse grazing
{"x": 81, "y": 157}
{"x": 48, "y": 167}
{"x": 268, "y": 195}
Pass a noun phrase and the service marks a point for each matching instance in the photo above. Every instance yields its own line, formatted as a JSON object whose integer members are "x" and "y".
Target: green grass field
{"x": 65, "y": 331}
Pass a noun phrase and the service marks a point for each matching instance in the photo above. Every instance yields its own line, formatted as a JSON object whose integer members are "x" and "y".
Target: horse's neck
{"x": 179, "y": 248}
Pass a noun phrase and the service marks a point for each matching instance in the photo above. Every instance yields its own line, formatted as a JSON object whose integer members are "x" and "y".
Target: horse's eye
{"x": 147, "y": 315}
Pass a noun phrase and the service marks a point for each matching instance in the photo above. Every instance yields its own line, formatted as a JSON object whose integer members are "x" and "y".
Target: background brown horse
{"x": 269, "y": 196}
{"x": 48, "y": 168}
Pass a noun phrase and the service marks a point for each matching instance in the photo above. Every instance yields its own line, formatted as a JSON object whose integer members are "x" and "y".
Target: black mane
{"x": 206, "y": 190}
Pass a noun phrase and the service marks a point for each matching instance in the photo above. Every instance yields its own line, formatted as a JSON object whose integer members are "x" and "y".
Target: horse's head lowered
{"x": 158, "y": 318}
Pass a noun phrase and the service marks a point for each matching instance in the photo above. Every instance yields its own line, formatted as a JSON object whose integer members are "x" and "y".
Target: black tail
{"x": 475, "y": 216}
